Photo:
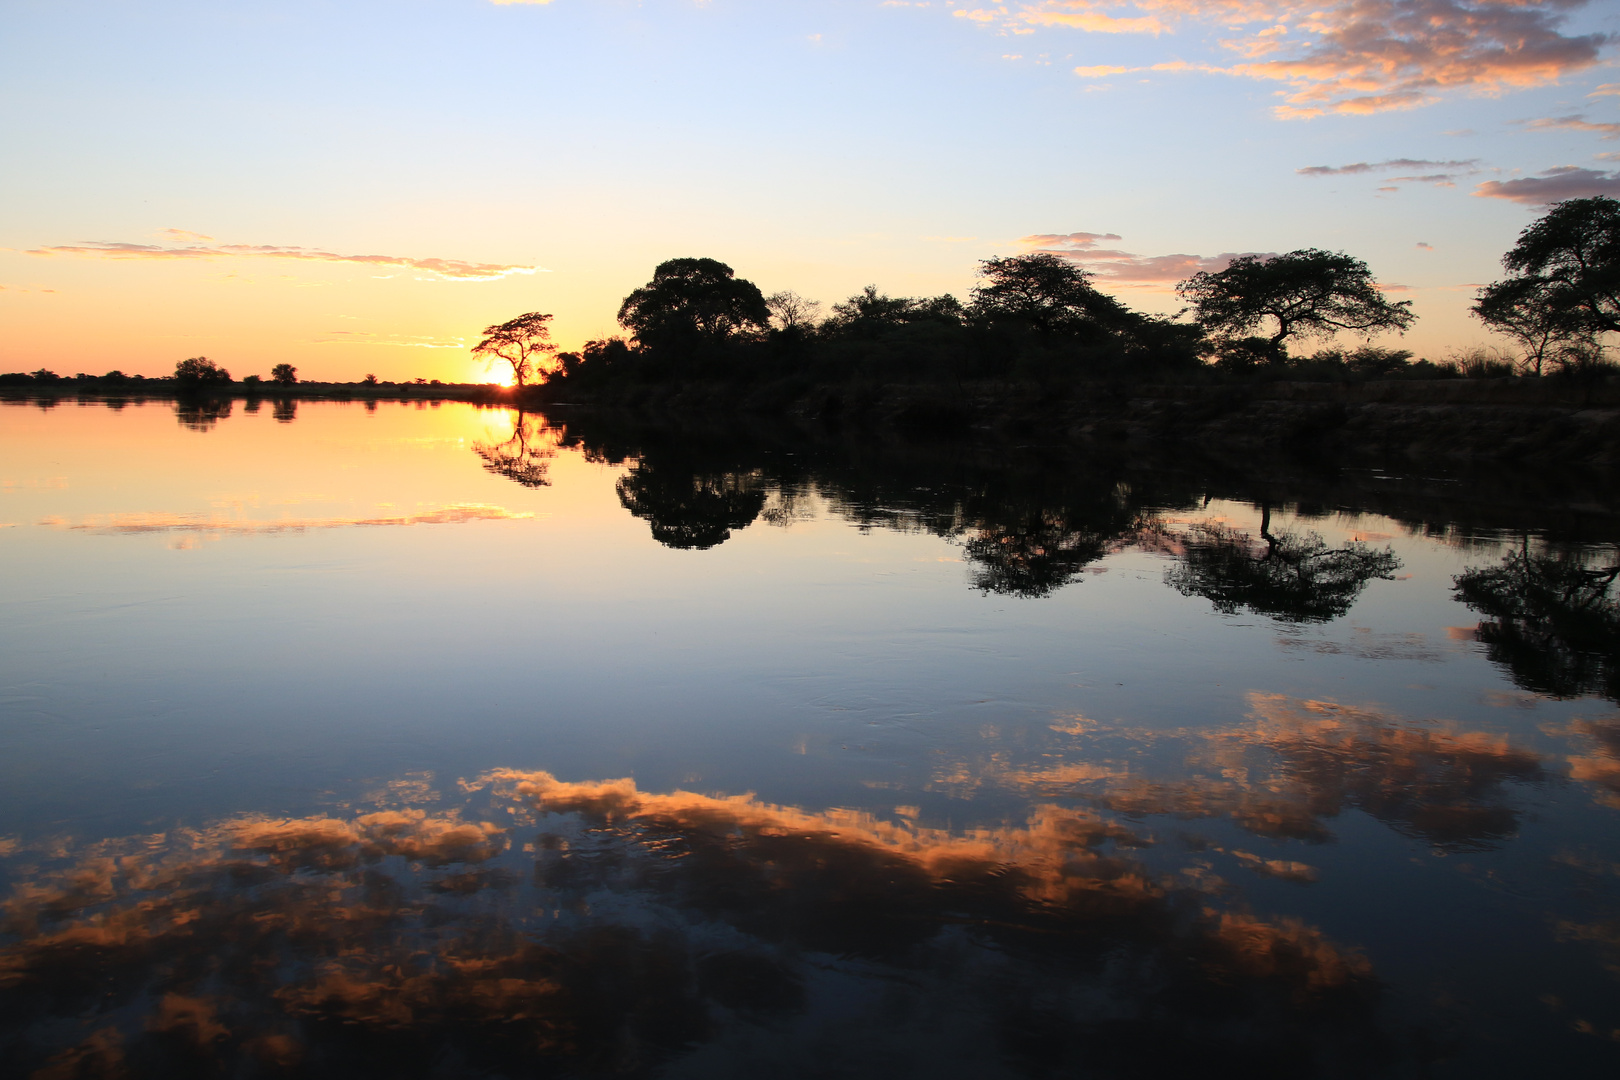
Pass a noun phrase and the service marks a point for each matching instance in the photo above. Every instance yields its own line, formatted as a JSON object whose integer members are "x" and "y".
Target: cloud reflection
{"x": 127, "y": 524}
{"x": 601, "y": 930}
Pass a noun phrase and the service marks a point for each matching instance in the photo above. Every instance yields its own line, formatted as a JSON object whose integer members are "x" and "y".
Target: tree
{"x": 285, "y": 374}
{"x": 1310, "y": 293}
{"x": 1523, "y": 309}
{"x": 200, "y": 371}
{"x": 523, "y": 342}
{"x": 1563, "y": 290}
{"x": 792, "y": 313}
{"x": 691, "y": 302}
{"x": 1048, "y": 292}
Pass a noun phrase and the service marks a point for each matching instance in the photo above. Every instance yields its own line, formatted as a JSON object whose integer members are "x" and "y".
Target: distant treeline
{"x": 1040, "y": 319}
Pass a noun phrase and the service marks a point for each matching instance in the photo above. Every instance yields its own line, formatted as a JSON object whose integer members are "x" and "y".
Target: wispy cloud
{"x": 1353, "y": 56}
{"x": 446, "y": 269}
{"x": 1125, "y": 267}
{"x": 1578, "y": 122}
{"x": 1564, "y": 182}
{"x": 1384, "y": 166}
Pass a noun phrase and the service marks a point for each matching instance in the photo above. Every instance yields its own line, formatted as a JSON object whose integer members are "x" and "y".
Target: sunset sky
{"x": 360, "y": 187}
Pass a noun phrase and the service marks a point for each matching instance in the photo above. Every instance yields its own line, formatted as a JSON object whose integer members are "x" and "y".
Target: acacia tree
{"x": 1048, "y": 292}
{"x": 523, "y": 342}
{"x": 1522, "y": 308}
{"x": 1309, "y": 293}
{"x": 1563, "y": 288}
{"x": 693, "y": 301}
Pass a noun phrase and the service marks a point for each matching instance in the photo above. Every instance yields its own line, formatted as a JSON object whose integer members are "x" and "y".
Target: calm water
{"x": 437, "y": 741}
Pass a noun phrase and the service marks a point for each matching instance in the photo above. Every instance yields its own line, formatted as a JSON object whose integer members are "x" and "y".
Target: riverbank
{"x": 1523, "y": 421}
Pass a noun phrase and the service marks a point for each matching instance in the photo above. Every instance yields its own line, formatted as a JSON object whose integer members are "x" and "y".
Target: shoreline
{"x": 1527, "y": 422}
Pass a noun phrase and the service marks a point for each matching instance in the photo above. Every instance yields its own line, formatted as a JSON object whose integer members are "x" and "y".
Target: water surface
{"x": 409, "y": 740}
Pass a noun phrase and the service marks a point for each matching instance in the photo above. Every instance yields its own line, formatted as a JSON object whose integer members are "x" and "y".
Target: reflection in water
{"x": 1290, "y": 577}
{"x": 601, "y": 930}
{"x": 1552, "y": 619}
{"x": 689, "y": 509}
{"x": 284, "y": 410}
{"x": 1296, "y": 766}
{"x": 116, "y": 524}
{"x": 201, "y": 414}
{"x": 524, "y": 456}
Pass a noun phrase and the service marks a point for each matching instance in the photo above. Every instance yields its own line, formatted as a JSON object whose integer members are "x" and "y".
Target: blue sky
{"x": 186, "y": 178}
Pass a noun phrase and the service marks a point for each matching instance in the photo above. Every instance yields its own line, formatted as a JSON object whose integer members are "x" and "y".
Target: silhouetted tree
{"x": 693, "y": 302}
{"x": 285, "y": 374}
{"x": 1047, "y": 292}
{"x": 1523, "y": 308}
{"x": 199, "y": 371}
{"x": 524, "y": 343}
{"x": 1292, "y": 578}
{"x": 1553, "y": 620}
{"x": 520, "y": 458}
{"x": 1308, "y": 293}
{"x": 1563, "y": 291}
{"x": 791, "y": 312}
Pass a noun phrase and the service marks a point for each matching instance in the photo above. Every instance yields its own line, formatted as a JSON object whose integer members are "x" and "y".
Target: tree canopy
{"x": 1049, "y": 293}
{"x": 285, "y": 374}
{"x": 200, "y": 371}
{"x": 1308, "y": 293}
{"x": 1563, "y": 288}
{"x": 524, "y": 343}
{"x": 690, "y": 302}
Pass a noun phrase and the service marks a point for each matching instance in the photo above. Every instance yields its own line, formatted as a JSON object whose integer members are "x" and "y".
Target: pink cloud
{"x": 1573, "y": 123}
{"x": 1352, "y": 56}
{"x": 1125, "y": 267}
{"x": 449, "y": 269}
{"x": 1564, "y": 182}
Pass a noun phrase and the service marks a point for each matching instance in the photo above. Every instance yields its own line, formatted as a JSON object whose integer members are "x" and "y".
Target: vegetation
{"x": 1308, "y": 293}
{"x": 1037, "y": 325}
{"x": 199, "y": 372}
{"x": 1563, "y": 290}
{"x": 523, "y": 343}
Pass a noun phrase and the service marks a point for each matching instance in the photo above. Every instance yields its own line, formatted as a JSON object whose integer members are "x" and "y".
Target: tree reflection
{"x": 1552, "y": 619}
{"x": 628, "y": 929}
{"x": 201, "y": 413}
{"x": 284, "y": 410}
{"x": 1292, "y": 577}
{"x": 691, "y": 509}
{"x": 525, "y": 456}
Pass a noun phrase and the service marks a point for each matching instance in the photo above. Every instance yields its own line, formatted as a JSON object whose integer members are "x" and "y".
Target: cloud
{"x": 1125, "y": 267}
{"x": 1577, "y": 122}
{"x": 1564, "y": 182}
{"x": 1380, "y": 166}
{"x": 1353, "y": 56}
{"x": 447, "y": 269}
{"x": 134, "y": 524}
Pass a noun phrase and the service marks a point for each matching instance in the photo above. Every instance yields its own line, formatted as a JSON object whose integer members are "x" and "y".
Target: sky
{"x": 359, "y": 186}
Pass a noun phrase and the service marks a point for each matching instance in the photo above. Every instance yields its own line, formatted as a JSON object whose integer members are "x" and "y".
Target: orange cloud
{"x": 1355, "y": 56}
{"x": 448, "y": 269}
